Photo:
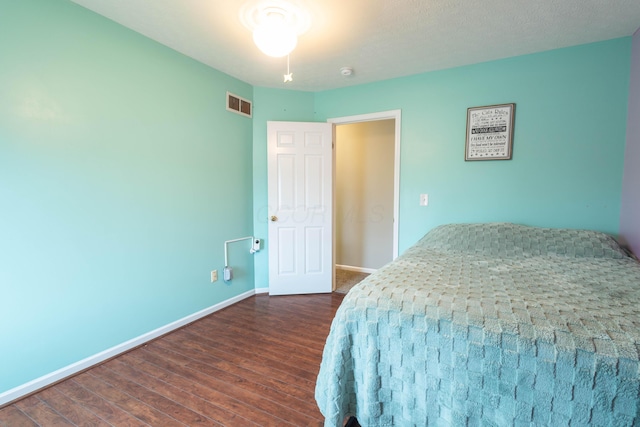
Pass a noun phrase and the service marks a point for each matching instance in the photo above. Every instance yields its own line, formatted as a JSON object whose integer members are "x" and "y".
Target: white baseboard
{"x": 357, "y": 269}
{"x": 262, "y": 290}
{"x": 56, "y": 376}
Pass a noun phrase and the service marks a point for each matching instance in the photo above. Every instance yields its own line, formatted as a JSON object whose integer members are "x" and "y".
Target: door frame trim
{"x": 382, "y": 115}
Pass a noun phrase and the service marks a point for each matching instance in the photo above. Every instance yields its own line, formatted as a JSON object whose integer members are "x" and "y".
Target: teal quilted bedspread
{"x": 490, "y": 325}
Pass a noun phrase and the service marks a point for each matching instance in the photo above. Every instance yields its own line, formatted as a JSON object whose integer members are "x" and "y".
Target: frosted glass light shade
{"x": 274, "y": 38}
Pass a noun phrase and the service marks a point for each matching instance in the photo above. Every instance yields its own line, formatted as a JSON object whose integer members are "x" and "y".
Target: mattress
{"x": 492, "y": 325}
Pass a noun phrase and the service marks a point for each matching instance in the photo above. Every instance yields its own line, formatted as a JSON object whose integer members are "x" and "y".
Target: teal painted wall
{"x": 121, "y": 175}
{"x": 270, "y": 105}
{"x": 568, "y": 148}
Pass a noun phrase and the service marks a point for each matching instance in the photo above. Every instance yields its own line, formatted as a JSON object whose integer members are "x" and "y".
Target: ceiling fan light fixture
{"x": 273, "y": 36}
{"x": 275, "y": 24}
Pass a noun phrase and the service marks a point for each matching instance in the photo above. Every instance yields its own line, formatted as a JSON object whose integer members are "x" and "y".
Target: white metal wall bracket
{"x": 228, "y": 271}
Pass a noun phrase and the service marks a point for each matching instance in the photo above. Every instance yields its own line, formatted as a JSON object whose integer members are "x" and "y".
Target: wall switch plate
{"x": 424, "y": 199}
{"x": 214, "y": 276}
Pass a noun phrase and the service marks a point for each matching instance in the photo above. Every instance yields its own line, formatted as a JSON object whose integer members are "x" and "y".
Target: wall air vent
{"x": 239, "y": 105}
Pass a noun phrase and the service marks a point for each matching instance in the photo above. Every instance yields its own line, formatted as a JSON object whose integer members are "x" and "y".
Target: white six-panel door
{"x": 300, "y": 179}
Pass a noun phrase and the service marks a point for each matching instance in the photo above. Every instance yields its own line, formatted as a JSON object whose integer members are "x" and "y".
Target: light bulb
{"x": 274, "y": 37}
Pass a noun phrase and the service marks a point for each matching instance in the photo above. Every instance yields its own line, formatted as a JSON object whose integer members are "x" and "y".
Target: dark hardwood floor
{"x": 254, "y": 363}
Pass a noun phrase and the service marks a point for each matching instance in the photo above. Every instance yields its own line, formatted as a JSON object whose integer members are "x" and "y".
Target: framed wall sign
{"x": 490, "y": 132}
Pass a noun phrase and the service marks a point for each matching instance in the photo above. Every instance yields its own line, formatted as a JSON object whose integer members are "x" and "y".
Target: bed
{"x": 492, "y": 325}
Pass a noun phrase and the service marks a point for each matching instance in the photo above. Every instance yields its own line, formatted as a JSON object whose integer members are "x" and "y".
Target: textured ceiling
{"x": 380, "y": 39}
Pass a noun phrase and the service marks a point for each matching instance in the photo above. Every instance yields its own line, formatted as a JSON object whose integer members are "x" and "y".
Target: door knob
{"x": 274, "y": 218}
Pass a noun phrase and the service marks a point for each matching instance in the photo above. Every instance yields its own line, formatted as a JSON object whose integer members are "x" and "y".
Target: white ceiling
{"x": 380, "y": 39}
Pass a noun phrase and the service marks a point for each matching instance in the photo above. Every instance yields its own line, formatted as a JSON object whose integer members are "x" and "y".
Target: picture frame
{"x": 490, "y": 132}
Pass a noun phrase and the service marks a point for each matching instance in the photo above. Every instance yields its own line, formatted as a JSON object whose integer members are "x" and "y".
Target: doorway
{"x": 365, "y": 195}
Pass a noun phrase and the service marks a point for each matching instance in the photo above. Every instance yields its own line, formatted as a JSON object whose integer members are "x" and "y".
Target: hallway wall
{"x": 364, "y": 193}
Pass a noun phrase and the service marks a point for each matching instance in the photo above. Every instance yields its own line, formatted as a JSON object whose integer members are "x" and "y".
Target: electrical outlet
{"x": 214, "y": 276}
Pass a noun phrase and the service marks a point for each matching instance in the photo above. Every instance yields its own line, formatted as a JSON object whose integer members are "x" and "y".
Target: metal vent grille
{"x": 239, "y": 105}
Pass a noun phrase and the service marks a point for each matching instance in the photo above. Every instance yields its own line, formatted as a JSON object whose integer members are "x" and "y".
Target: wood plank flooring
{"x": 251, "y": 364}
